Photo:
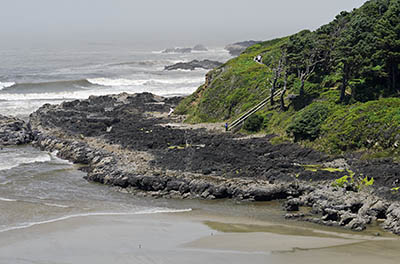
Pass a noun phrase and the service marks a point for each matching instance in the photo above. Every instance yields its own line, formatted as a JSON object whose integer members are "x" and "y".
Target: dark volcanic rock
{"x": 178, "y": 50}
{"x": 237, "y": 48}
{"x": 194, "y": 64}
{"x": 200, "y": 164}
{"x": 14, "y": 131}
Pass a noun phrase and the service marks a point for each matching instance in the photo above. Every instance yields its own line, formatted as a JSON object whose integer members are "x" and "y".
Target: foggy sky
{"x": 173, "y": 22}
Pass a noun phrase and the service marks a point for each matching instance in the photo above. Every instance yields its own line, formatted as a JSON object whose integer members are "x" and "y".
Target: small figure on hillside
{"x": 258, "y": 58}
{"x": 226, "y": 127}
{"x": 171, "y": 110}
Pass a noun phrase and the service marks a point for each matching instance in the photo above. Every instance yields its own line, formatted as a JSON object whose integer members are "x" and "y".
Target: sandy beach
{"x": 190, "y": 237}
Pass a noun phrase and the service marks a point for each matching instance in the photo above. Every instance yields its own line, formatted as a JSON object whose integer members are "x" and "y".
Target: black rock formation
{"x": 14, "y": 131}
{"x": 200, "y": 47}
{"x": 236, "y": 48}
{"x": 178, "y": 50}
{"x": 194, "y": 64}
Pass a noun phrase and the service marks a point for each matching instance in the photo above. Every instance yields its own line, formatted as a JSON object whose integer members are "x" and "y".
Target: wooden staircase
{"x": 252, "y": 111}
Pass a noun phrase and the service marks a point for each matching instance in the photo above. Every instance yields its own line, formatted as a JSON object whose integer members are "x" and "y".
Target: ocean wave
{"x": 6, "y": 85}
{"x": 45, "y": 87}
{"x": 146, "y": 82}
{"x": 142, "y": 63}
{"x": 116, "y": 82}
{"x": 143, "y": 212}
{"x": 57, "y": 160}
{"x": 18, "y": 161}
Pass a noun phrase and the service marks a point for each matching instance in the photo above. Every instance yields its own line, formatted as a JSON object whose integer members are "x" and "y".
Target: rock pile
{"x": 14, "y": 131}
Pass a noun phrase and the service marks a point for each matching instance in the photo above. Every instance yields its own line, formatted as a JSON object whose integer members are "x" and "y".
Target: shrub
{"x": 307, "y": 123}
{"x": 373, "y": 125}
{"x": 253, "y": 123}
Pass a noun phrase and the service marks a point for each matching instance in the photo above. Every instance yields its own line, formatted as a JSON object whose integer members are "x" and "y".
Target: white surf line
{"x": 151, "y": 211}
{"x": 56, "y": 205}
{"x": 7, "y": 200}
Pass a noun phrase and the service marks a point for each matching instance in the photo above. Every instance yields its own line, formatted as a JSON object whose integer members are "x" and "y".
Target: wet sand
{"x": 193, "y": 237}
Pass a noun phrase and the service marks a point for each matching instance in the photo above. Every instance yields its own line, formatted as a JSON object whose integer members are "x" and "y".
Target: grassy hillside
{"x": 343, "y": 80}
{"x": 232, "y": 88}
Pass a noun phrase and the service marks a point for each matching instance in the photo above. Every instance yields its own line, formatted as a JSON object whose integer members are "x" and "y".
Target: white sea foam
{"x": 143, "y": 212}
{"x": 6, "y": 84}
{"x": 57, "y": 160}
{"x": 56, "y": 205}
{"x": 15, "y": 161}
{"x": 7, "y": 199}
{"x": 116, "y": 82}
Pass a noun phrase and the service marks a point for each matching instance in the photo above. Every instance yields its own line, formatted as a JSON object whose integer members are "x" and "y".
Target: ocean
{"x": 31, "y": 77}
{"x": 36, "y": 187}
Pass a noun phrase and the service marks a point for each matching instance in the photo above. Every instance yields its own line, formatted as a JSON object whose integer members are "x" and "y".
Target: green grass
{"x": 317, "y": 120}
{"x": 234, "y": 87}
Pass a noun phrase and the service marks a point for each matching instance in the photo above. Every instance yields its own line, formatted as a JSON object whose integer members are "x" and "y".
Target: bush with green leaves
{"x": 350, "y": 183}
{"x": 307, "y": 123}
{"x": 374, "y": 125}
{"x": 253, "y": 123}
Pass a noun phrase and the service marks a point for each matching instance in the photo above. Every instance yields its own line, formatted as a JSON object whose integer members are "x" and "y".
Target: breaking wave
{"x": 7, "y": 164}
{"x": 148, "y": 82}
{"x": 45, "y": 87}
{"x": 6, "y": 85}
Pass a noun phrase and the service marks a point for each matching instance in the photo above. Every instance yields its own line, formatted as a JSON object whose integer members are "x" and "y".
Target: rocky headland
{"x": 129, "y": 142}
{"x": 237, "y": 48}
{"x": 193, "y": 65}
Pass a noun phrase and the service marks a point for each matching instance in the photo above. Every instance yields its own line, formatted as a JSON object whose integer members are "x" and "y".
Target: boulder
{"x": 14, "y": 131}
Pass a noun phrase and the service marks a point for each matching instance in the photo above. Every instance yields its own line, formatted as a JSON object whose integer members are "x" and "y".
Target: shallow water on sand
{"x": 50, "y": 214}
{"x": 37, "y": 187}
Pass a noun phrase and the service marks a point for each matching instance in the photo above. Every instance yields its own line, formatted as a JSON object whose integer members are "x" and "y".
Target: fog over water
{"x": 160, "y": 23}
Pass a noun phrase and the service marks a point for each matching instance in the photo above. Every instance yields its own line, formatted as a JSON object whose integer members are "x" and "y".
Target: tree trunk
{"x": 302, "y": 87}
{"x": 273, "y": 88}
{"x": 272, "y": 96}
{"x": 283, "y": 108}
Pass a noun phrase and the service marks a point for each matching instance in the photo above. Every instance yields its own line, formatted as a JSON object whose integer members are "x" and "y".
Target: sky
{"x": 162, "y": 22}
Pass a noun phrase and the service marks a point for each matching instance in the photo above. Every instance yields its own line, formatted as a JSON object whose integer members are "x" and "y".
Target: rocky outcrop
{"x": 177, "y": 50}
{"x": 338, "y": 207}
{"x": 104, "y": 167}
{"x": 194, "y": 64}
{"x": 392, "y": 221}
{"x": 237, "y": 48}
{"x": 14, "y": 131}
{"x": 126, "y": 141}
{"x": 200, "y": 47}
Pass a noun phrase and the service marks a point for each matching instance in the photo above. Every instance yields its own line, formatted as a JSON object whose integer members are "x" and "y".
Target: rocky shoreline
{"x": 127, "y": 141}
